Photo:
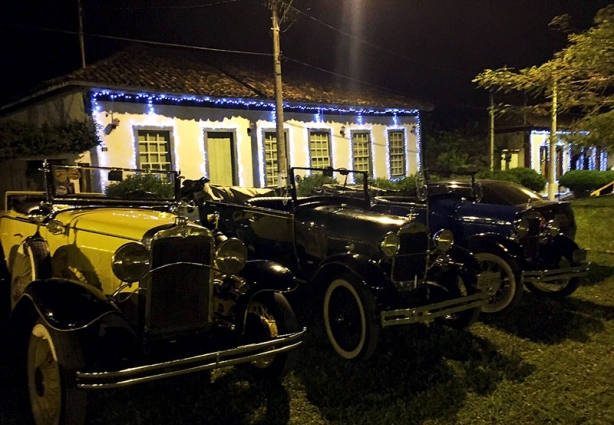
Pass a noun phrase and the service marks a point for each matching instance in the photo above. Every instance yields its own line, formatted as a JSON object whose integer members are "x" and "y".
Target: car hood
{"x": 357, "y": 222}
{"x": 128, "y": 223}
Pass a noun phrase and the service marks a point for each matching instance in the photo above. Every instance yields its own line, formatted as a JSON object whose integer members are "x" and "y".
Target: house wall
{"x": 189, "y": 125}
{"x": 52, "y": 110}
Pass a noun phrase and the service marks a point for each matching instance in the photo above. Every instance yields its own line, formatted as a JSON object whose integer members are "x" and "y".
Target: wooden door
{"x": 220, "y": 155}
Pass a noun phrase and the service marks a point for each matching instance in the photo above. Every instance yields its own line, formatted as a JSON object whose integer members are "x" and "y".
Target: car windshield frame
{"x": 67, "y": 184}
{"x": 338, "y": 182}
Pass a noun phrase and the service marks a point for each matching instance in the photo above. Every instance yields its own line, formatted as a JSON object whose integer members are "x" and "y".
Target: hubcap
{"x": 44, "y": 377}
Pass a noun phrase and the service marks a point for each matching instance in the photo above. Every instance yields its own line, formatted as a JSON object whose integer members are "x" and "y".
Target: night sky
{"x": 428, "y": 49}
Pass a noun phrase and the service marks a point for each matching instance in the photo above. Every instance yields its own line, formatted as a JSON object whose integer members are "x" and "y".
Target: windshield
{"x": 330, "y": 182}
{"x": 507, "y": 194}
{"x": 84, "y": 182}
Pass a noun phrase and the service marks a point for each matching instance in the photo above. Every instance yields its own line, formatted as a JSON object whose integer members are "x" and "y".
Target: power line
{"x": 139, "y": 41}
{"x": 158, "y": 7}
{"x": 242, "y": 52}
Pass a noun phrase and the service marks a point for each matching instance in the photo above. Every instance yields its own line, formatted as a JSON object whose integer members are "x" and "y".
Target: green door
{"x": 220, "y": 158}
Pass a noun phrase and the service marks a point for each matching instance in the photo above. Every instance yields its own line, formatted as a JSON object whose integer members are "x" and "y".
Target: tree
{"x": 579, "y": 77}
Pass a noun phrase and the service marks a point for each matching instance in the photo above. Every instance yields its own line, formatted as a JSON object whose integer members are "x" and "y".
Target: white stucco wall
{"x": 188, "y": 126}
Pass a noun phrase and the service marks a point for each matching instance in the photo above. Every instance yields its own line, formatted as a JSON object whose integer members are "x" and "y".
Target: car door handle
{"x": 19, "y": 235}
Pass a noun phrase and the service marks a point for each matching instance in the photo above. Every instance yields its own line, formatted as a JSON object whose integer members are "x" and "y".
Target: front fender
{"x": 360, "y": 265}
{"x": 497, "y": 244}
{"x": 268, "y": 275}
{"x": 66, "y": 305}
{"x": 551, "y": 252}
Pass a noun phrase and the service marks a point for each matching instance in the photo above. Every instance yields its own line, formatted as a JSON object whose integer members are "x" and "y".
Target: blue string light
{"x": 152, "y": 99}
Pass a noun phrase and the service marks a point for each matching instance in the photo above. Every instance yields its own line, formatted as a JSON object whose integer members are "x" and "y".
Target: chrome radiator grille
{"x": 412, "y": 257}
{"x": 179, "y": 286}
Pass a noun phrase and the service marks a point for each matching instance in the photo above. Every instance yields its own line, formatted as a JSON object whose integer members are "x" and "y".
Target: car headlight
{"x": 231, "y": 256}
{"x": 390, "y": 244}
{"x": 444, "y": 239}
{"x": 553, "y": 228}
{"x": 530, "y": 224}
{"x": 131, "y": 262}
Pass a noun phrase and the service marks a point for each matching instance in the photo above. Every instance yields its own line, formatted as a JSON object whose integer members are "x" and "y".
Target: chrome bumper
{"x": 218, "y": 359}
{"x": 428, "y": 313}
{"x": 552, "y": 276}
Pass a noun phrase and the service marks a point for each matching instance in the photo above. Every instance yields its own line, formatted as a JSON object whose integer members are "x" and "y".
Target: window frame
{"x": 369, "y": 156}
{"x": 264, "y": 133}
{"x": 328, "y": 133}
{"x": 403, "y": 133}
{"x": 170, "y": 144}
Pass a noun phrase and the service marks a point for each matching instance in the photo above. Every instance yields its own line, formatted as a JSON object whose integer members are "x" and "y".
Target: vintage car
{"x": 523, "y": 243}
{"x": 500, "y": 192}
{"x": 110, "y": 285}
{"x": 366, "y": 270}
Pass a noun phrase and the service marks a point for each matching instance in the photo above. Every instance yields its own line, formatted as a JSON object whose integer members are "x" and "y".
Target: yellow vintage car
{"x": 107, "y": 283}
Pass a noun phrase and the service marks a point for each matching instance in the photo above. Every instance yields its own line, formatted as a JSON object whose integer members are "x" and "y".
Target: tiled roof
{"x": 206, "y": 73}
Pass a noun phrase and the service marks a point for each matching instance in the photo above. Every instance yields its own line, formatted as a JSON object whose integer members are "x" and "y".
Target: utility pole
{"x": 81, "y": 42}
{"x": 492, "y": 132}
{"x": 282, "y": 157}
{"x": 552, "y": 150}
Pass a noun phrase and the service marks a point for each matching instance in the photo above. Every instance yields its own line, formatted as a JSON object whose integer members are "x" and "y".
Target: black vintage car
{"x": 524, "y": 242}
{"x": 105, "y": 284}
{"x": 368, "y": 270}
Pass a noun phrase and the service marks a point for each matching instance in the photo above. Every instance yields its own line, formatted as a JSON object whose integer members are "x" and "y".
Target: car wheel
{"x": 53, "y": 357}
{"x": 269, "y": 315}
{"x": 350, "y": 318}
{"x": 32, "y": 262}
{"x": 510, "y": 287}
{"x": 560, "y": 288}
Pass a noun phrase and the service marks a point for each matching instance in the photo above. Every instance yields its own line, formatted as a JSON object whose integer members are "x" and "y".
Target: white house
{"x": 207, "y": 115}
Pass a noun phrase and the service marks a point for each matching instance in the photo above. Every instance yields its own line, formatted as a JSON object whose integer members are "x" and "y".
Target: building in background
{"x": 205, "y": 114}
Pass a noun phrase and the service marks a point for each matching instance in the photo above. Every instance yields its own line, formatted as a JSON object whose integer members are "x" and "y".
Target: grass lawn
{"x": 546, "y": 362}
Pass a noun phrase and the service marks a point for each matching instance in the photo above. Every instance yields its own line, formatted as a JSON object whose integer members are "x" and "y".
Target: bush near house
{"x": 582, "y": 182}
{"x": 528, "y": 178}
{"x": 498, "y": 175}
{"x": 139, "y": 184}
{"x": 308, "y": 184}
{"x": 524, "y": 176}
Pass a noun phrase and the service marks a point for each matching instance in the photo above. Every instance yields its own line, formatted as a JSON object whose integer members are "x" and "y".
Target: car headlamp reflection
{"x": 444, "y": 240}
{"x": 390, "y": 244}
{"x": 131, "y": 262}
{"x": 231, "y": 256}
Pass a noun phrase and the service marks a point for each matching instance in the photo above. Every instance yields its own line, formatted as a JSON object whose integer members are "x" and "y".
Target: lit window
{"x": 154, "y": 150}
{"x": 361, "y": 151}
{"x": 270, "y": 157}
{"x": 396, "y": 152}
{"x": 319, "y": 149}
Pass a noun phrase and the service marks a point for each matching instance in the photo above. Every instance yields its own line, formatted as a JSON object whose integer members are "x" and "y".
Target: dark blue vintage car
{"x": 367, "y": 270}
{"x": 522, "y": 242}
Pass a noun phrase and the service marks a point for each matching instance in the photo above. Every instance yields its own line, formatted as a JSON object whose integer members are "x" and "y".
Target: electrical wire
{"x": 243, "y": 52}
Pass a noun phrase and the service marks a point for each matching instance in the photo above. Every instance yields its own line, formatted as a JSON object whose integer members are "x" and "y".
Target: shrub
{"x": 405, "y": 184}
{"x": 497, "y": 175}
{"x": 586, "y": 180}
{"x": 141, "y": 185}
{"x": 308, "y": 183}
{"x": 528, "y": 178}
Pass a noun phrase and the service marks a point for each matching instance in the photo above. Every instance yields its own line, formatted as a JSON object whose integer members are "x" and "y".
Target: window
{"x": 361, "y": 151}
{"x": 396, "y": 153}
{"x": 319, "y": 149}
{"x": 270, "y": 157}
{"x": 154, "y": 150}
